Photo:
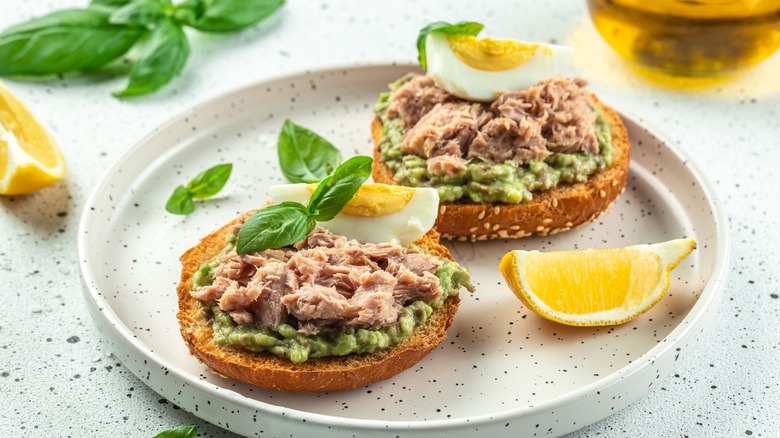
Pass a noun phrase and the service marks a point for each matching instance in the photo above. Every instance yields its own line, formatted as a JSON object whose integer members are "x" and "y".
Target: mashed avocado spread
{"x": 485, "y": 182}
{"x": 286, "y": 341}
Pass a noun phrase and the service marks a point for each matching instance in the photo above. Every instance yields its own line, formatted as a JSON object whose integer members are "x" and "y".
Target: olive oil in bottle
{"x": 690, "y": 37}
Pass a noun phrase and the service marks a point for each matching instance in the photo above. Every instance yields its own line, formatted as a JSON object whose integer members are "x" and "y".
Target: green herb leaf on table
{"x": 163, "y": 56}
{"x": 205, "y": 185}
{"x": 304, "y": 156}
{"x": 275, "y": 226}
{"x": 209, "y": 182}
{"x": 180, "y": 202}
{"x": 63, "y": 42}
{"x": 461, "y": 28}
{"x": 224, "y": 15}
{"x": 140, "y": 12}
{"x": 335, "y": 191}
{"x": 284, "y": 224}
{"x": 179, "y": 432}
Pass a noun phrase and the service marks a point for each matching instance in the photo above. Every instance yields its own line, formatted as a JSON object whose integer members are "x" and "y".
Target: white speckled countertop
{"x": 60, "y": 379}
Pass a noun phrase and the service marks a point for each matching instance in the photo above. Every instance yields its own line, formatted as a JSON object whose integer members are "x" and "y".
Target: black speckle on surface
{"x": 73, "y": 339}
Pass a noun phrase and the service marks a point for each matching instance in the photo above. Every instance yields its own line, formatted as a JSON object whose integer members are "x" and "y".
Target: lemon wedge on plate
{"x": 594, "y": 287}
{"x": 29, "y": 157}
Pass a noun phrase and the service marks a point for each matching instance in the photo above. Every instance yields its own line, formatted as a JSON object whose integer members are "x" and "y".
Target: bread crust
{"x": 322, "y": 374}
{"x": 565, "y": 207}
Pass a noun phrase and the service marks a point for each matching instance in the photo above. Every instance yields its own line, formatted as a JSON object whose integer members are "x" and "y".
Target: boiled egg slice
{"x": 377, "y": 213}
{"x": 481, "y": 69}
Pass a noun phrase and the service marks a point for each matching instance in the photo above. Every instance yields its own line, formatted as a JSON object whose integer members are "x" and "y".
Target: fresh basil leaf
{"x": 109, "y": 3}
{"x": 224, "y": 15}
{"x": 141, "y": 12}
{"x": 188, "y": 11}
{"x": 461, "y": 28}
{"x": 275, "y": 226}
{"x": 333, "y": 193}
{"x": 64, "y": 41}
{"x": 304, "y": 156}
{"x": 209, "y": 182}
{"x": 162, "y": 57}
{"x": 179, "y": 432}
{"x": 180, "y": 202}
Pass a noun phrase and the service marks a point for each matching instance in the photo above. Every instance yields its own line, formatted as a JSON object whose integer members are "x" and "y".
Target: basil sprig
{"x": 471, "y": 28}
{"x": 162, "y": 57}
{"x": 76, "y": 40}
{"x": 64, "y": 41}
{"x": 205, "y": 185}
{"x": 304, "y": 156}
{"x": 224, "y": 15}
{"x": 189, "y": 431}
{"x": 287, "y": 223}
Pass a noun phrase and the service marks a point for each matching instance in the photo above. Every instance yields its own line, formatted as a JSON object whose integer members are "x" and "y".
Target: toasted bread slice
{"x": 322, "y": 374}
{"x": 561, "y": 208}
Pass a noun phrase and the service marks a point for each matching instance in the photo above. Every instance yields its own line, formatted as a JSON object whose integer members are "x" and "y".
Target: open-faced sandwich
{"x": 321, "y": 290}
{"x": 512, "y": 148}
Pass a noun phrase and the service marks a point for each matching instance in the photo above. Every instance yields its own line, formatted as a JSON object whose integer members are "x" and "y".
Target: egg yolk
{"x": 376, "y": 199}
{"x": 491, "y": 54}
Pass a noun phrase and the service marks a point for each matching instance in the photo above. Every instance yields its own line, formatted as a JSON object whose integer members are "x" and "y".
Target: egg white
{"x": 404, "y": 226}
{"x": 467, "y": 82}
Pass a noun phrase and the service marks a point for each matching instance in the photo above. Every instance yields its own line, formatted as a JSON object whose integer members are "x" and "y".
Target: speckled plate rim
{"x": 707, "y": 301}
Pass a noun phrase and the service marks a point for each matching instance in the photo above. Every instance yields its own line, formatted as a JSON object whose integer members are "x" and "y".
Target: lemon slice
{"x": 594, "y": 287}
{"x": 29, "y": 157}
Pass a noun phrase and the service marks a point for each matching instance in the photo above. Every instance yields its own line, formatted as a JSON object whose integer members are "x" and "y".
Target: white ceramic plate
{"x": 502, "y": 370}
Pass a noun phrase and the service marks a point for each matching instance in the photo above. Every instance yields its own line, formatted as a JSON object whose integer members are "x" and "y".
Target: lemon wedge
{"x": 594, "y": 287}
{"x": 29, "y": 157}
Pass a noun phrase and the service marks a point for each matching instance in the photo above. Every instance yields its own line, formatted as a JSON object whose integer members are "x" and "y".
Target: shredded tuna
{"x": 416, "y": 262}
{"x": 447, "y": 129}
{"x": 413, "y": 287}
{"x": 415, "y": 98}
{"x": 328, "y": 281}
{"x": 555, "y": 115}
{"x": 276, "y": 281}
{"x": 374, "y": 297}
{"x": 506, "y": 139}
{"x": 315, "y": 302}
{"x": 213, "y": 291}
{"x": 563, "y": 109}
{"x": 321, "y": 237}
